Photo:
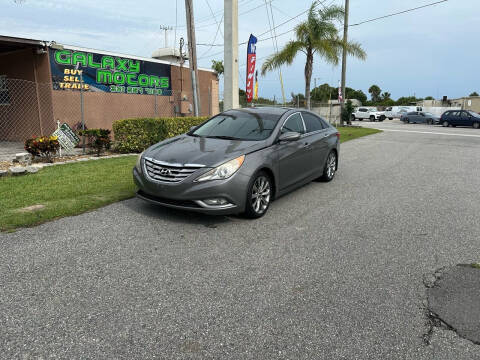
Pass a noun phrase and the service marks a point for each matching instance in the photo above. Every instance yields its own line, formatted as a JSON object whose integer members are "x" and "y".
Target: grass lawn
{"x": 349, "y": 133}
{"x": 64, "y": 190}
{"x": 72, "y": 189}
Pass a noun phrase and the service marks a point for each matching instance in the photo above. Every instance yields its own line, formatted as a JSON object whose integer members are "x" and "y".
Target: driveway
{"x": 333, "y": 271}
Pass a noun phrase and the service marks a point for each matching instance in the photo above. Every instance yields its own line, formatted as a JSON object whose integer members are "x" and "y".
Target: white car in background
{"x": 396, "y": 112}
{"x": 370, "y": 113}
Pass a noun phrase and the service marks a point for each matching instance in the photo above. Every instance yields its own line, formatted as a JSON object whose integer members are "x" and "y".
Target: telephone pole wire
{"x": 192, "y": 56}
{"x": 344, "y": 57}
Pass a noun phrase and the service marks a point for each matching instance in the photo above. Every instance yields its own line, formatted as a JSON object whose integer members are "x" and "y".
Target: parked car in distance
{"x": 396, "y": 112}
{"x": 239, "y": 161}
{"x": 370, "y": 113}
{"x": 460, "y": 118}
{"x": 420, "y": 117}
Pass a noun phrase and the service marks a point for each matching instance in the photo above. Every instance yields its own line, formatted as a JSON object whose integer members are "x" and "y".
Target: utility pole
{"x": 344, "y": 56}
{"x": 230, "y": 57}
{"x": 192, "y": 56}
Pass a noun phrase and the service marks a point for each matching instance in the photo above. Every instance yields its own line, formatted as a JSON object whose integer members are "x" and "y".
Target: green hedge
{"x": 135, "y": 135}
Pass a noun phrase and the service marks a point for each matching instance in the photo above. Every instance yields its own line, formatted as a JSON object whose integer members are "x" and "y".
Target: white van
{"x": 396, "y": 112}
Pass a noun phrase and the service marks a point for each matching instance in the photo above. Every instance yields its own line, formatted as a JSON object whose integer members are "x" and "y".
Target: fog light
{"x": 215, "y": 202}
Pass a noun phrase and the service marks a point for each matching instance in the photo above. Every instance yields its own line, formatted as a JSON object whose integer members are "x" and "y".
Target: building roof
{"x": 13, "y": 43}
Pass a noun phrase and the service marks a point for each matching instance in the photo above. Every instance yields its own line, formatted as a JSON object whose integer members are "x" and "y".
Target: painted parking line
{"x": 432, "y": 133}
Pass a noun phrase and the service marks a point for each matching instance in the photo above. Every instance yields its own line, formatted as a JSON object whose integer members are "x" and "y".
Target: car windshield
{"x": 474, "y": 114}
{"x": 372, "y": 109}
{"x": 238, "y": 125}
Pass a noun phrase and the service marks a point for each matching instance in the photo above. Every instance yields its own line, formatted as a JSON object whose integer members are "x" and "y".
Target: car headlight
{"x": 223, "y": 171}
{"x": 138, "y": 165}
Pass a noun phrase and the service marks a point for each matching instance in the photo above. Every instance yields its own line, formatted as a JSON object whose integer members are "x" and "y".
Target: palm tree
{"x": 316, "y": 35}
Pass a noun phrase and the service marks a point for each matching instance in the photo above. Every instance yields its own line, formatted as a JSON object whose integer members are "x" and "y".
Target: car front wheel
{"x": 372, "y": 118}
{"x": 476, "y": 125}
{"x": 259, "y": 196}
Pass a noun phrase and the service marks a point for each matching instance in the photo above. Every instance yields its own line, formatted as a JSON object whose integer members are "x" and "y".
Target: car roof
{"x": 273, "y": 110}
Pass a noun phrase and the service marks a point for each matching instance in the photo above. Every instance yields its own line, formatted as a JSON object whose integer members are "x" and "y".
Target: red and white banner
{"x": 251, "y": 60}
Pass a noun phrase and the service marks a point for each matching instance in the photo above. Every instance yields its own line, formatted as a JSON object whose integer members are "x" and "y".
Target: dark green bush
{"x": 98, "y": 139}
{"x": 135, "y": 135}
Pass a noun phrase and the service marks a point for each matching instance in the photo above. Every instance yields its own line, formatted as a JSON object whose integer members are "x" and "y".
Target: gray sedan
{"x": 239, "y": 161}
{"x": 420, "y": 117}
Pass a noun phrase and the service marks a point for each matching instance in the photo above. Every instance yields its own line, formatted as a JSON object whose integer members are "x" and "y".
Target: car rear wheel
{"x": 445, "y": 124}
{"x": 259, "y": 196}
{"x": 330, "y": 167}
{"x": 352, "y": 117}
{"x": 476, "y": 125}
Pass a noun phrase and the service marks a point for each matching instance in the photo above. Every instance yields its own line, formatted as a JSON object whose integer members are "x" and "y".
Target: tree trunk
{"x": 308, "y": 76}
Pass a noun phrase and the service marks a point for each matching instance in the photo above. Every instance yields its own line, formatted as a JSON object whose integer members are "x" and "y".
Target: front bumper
{"x": 189, "y": 195}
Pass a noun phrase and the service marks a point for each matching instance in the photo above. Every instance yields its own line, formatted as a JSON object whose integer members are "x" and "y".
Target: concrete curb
{"x": 34, "y": 168}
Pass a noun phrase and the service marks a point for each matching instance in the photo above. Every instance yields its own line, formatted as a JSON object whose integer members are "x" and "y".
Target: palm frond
{"x": 285, "y": 56}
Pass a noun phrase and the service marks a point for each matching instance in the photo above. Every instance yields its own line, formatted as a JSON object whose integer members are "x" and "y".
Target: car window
{"x": 362, "y": 110}
{"x": 294, "y": 123}
{"x": 238, "y": 124}
{"x": 454, "y": 113}
{"x": 412, "y": 113}
{"x": 312, "y": 123}
{"x": 465, "y": 114}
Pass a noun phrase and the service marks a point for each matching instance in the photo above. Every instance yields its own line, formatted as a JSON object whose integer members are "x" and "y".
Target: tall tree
{"x": 217, "y": 66}
{"x": 474, "y": 94}
{"x": 375, "y": 92}
{"x": 317, "y": 35}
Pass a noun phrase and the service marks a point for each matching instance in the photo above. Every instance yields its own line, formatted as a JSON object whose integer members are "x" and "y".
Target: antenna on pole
{"x": 166, "y": 29}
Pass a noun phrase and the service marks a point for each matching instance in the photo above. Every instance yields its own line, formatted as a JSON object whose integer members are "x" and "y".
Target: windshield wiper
{"x": 223, "y": 137}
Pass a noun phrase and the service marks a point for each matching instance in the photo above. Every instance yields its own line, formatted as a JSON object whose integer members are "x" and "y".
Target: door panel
{"x": 293, "y": 162}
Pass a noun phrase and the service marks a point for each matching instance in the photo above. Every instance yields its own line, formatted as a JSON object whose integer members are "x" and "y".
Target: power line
{"x": 276, "y": 27}
{"x": 398, "y": 13}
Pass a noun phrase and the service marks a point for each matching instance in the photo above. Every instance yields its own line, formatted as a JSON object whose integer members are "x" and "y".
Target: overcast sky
{"x": 433, "y": 51}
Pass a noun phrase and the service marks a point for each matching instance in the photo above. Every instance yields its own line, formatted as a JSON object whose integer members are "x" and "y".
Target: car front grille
{"x": 166, "y": 172}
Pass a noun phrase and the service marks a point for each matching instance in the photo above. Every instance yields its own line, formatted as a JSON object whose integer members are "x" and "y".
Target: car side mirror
{"x": 289, "y": 136}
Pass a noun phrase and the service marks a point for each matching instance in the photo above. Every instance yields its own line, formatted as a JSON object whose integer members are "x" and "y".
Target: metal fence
{"x": 28, "y": 108}
{"x": 329, "y": 112}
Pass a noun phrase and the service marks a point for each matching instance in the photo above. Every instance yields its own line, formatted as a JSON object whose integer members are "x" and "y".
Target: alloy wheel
{"x": 476, "y": 125}
{"x": 331, "y": 165}
{"x": 445, "y": 124}
{"x": 261, "y": 191}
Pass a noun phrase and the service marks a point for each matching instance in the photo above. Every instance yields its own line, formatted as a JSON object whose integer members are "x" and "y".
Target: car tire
{"x": 476, "y": 125}
{"x": 330, "y": 167}
{"x": 352, "y": 117}
{"x": 445, "y": 124}
{"x": 372, "y": 118}
{"x": 259, "y": 195}
{"x": 382, "y": 117}
{"x": 429, "y": 122}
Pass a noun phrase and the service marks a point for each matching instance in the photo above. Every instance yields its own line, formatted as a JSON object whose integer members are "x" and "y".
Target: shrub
{"x": 98, "y": 139}
{"x": 135, "y": 135}
{"x": 42, "y": 146}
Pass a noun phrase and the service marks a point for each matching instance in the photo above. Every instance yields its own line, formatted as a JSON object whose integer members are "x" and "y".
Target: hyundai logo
{"x": 165, "y": 172}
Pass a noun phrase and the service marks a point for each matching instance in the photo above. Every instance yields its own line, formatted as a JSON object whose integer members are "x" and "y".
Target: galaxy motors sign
{"x": 80, "y": 70}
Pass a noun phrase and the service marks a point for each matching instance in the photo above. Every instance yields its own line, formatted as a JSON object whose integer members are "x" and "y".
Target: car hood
{"x": 210, "y": 152}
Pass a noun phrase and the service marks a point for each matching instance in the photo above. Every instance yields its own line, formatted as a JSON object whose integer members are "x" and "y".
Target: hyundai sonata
{"x": 239, "y": 161}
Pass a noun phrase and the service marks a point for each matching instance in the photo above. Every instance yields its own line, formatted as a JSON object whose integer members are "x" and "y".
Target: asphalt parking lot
{"x": 333, "y": 271}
